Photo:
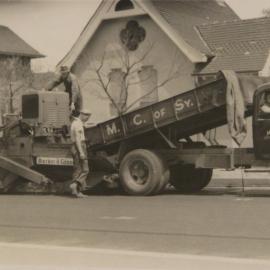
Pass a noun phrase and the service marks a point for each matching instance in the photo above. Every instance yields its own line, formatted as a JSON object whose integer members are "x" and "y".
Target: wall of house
{"x": 14, "y": 67}
{"x": 14, "y": 75}
{"x": 156, "y": 57}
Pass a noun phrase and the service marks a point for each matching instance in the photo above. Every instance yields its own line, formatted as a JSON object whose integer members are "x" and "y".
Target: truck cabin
{"x": 261, "y": 122}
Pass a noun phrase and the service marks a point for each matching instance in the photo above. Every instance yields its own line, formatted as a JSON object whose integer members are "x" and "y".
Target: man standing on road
{"x": 72, "y": 87}
{"x": 79, "y": 153}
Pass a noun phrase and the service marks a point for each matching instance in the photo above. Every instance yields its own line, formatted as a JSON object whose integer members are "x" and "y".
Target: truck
{"x": 141, "y": 151}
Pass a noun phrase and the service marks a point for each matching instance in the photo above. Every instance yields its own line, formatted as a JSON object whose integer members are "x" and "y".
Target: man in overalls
{"x": 72, "y": 87}
{"x": 79, "y": 153}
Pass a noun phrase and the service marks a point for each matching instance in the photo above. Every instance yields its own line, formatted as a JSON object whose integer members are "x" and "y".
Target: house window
{"x": 124, "y": 5}
{"x": 148, "y": 77}
{"x": 117, "y": 91}
{"x": 132, "y": 35}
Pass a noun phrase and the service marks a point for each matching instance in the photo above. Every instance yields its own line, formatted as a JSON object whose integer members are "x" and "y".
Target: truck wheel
{"x": 188, "y": 179}
{"x": 142, "y": 173}
{"x": 163, "y": 183}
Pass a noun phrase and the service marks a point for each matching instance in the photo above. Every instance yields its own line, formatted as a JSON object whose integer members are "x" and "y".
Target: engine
{"x": 47, "y": 113}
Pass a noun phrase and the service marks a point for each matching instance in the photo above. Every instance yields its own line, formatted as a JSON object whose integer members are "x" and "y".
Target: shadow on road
{"x": 249, "y": 192}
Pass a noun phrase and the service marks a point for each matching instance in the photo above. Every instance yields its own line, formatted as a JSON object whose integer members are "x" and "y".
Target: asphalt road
{"x": 216, "y": 222}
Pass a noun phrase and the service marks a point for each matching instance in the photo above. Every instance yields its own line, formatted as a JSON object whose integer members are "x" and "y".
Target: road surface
{"x": 216, "y": 222}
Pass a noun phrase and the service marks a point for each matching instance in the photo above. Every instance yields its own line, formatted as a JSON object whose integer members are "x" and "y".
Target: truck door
{"x": 261, "y": 122}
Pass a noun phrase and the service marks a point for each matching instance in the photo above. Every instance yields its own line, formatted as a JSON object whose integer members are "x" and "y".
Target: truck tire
{"x": 142, "y": 173}
{"x": 164, "y": 181}
{"x": 187, "y": 179}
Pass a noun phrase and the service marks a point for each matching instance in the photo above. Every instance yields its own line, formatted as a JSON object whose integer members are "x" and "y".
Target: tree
{"x": 130, "y": 67}
{"x": 15, "y": 77}
{"x": 266, "y": 12}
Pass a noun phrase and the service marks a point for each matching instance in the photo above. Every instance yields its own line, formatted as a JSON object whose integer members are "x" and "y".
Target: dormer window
{"x": 124, "y": 5}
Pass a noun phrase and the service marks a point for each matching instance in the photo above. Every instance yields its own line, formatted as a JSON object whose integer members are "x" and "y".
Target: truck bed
{"x": 188, "y": 113}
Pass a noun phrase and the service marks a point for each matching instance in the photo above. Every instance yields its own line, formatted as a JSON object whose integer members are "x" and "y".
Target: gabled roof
{"x": 12, "y": 44}
{"x": 239, "y": 45}
{"x": 184, "y": 15}
{"x": 176, "y": 18}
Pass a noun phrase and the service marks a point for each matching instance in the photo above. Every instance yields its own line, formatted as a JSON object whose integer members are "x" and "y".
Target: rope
{"x": 242, "y": 175}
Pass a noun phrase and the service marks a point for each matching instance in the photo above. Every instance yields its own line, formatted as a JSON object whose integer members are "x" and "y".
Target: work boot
{"x": 74, "y": 189}
{"x": 81, "y": 195}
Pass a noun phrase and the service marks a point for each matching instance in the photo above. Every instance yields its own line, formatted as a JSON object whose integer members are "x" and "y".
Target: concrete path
{"x": 36, "y": 257}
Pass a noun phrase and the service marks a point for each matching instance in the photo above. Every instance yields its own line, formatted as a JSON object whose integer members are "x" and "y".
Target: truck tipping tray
{"x": 188, "y": 113}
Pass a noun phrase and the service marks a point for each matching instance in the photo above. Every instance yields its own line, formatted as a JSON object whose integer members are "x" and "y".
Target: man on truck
{"x": 79, "y": 152}
{"x": 72, "y": 87}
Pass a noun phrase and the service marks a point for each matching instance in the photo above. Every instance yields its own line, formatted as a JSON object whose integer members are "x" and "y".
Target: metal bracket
{"x": 167, "y": 140}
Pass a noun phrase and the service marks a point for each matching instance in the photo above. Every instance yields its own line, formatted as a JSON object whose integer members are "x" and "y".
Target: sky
{"x": 53, "y": 26}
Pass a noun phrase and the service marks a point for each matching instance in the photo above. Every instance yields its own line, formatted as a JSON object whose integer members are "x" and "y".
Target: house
{"x": 160, "y": 36}
{"x": 15, "y": 66}
{"x": 242, "y": 46}
{"x": 135, "y": 52}
{"x": 12, "y": 47}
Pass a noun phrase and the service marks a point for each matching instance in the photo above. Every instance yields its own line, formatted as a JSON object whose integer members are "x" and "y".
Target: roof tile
{"x": 184, "y": 15}
{"x": 238, "y": 45}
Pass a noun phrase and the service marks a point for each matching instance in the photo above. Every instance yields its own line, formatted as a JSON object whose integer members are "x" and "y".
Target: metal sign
{"x": 52, "y": 161}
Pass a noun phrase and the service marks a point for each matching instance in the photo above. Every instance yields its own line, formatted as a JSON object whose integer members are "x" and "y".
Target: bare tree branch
{"x": 150, "y": 92}
{"x": 16, "y": 76}
{"x": 106, "y": 85}
{"x": 266, "y": 12}
{"x": 130, "y": 69}
{"x": 140, "y": 81}
{"x": 142, "y": 58}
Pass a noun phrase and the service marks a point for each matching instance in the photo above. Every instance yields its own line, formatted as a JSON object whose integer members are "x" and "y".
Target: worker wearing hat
{"x": 79, "y": 152}
{"x": 72, "y": 87}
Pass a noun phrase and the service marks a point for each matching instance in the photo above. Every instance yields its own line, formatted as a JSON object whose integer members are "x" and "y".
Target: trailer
{"x": 152, "y": 146}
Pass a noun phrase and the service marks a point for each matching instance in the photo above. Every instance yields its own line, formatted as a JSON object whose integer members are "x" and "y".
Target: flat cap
{"x": 86, "y": 112}
{"x": 64, "y": 69}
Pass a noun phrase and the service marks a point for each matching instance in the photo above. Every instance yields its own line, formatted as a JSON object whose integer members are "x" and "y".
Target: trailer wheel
{"x": 142, "y": 173}
{"x": 188, "y": 179}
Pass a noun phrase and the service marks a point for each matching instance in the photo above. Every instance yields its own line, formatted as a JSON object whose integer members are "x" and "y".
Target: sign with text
{"x": 113, "y": 130}
{"x": 185, "y": 105}
{"x": 163, "y": 113}
{"x": 140, "y": 120}
{"x": 54, "y": 161}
